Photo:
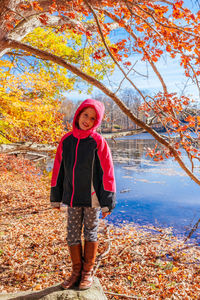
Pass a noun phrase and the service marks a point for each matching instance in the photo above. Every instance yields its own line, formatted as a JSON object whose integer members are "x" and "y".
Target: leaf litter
{"x": 140, "y": 262}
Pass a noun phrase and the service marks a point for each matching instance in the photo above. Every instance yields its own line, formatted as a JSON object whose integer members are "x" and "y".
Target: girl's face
{"x": 87, "y": 118}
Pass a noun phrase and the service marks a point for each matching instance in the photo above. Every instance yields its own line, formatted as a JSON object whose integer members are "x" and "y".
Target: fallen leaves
{"x": 143, "y": 262}
{"x": 141, "y": 265}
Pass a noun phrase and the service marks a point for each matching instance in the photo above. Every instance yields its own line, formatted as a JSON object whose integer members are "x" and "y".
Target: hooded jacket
{"x": 83, "y": 173}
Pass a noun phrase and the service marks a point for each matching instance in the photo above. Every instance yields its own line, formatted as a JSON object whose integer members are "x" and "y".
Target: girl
{"x": 83, "y": 178}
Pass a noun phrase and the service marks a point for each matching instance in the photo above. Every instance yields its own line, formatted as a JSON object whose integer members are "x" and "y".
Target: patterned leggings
{"x": 79, "y": 216}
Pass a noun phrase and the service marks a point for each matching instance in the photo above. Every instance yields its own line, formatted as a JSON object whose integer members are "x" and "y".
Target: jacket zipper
{"x": 92, "y": 178}
{"x": 73, "y": 175}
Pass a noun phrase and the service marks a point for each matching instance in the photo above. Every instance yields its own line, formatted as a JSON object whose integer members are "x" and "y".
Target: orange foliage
{"x": 149, "y": 30}
{"x": 145, "y": 262}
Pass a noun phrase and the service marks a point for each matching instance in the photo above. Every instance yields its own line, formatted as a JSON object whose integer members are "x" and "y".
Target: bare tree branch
{"x": 128, "y": 29}
{"x": 110, "y": 53}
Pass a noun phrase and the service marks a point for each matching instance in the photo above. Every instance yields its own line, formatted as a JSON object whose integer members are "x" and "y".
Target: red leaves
{"x": 17, "y": 165}
{"x": 182, "y": 128}
{"x": 168, "y": 48}
{"x": 198, "y": 120}
{"x": 139, "y": 263}
{"x": 121, "y": 46}
{"x": 24, "y": 6}
{"x": 136, "y": 267}
{"x": 88, "y": 33}
{"x": 170, "y": 111}
{"x": 178, "y": 4}
{"x": 156, "y": 154}
{"x": 140, "y": 43}
{"x": 43, "y": 19}
{"x": 99, "y": 54}
{"x": 191, "y": 120}
{"x": 71, "y": 15}
{"x": 36, "y": 6}
{"x": 9, "y": 26}
{"x": 114, "y": 50}
{"x": 127, "y": 63}
{"x": 10, "y": 20}
{"x": 53, "y": 7}
{"x": 177, "y": 13}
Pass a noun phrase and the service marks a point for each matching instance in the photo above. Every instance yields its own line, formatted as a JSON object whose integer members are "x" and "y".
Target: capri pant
{"x": 79, "y": 216}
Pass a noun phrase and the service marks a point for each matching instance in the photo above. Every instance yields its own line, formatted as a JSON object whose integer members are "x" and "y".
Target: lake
{"x": 152, "y": 193}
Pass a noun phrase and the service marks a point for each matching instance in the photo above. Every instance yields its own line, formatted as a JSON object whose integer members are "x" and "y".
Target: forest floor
{"x": 141, "y": 262}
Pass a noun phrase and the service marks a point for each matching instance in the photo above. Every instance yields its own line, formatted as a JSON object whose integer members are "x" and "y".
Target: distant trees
{"x": 132, "y": 100}
{"x": 67, "y": 109}
{"x": 150, "y": 30}
{"x": 115, "y": 119}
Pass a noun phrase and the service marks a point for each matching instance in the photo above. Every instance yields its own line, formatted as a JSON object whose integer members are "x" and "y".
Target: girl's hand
{"x": 105, "y": 214}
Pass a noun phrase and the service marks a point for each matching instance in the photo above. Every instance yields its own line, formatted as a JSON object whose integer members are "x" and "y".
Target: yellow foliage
{"x": 71, "y": 47}
{"x": 29, "y": 108}
{"x": 32, "y": 95}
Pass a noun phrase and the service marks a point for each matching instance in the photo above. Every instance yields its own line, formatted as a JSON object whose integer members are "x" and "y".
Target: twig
{"x": 124, "y": 78}
{"x": 165, "y": 25}
{"x": 123, "y": 250}
{"x": 21, "y": 211}
{"x": 192, "y": 230}
{"x": 129, "y": 30}
{"x": 108, "y": 50}
{"x": 123, "y": 295}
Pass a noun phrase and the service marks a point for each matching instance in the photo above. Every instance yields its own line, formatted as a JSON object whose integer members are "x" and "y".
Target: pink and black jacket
{"x": 83, "y": 167}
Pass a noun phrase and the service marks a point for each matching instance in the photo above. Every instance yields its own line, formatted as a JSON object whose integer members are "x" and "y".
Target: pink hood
{"x": 99, "y": 108}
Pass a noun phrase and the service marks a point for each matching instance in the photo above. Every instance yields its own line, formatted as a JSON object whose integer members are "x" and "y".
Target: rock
{"x": 56, "y": 293}
{"x": 125, "y": 191}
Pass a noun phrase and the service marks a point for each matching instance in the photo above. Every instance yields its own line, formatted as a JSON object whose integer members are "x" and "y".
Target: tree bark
{"x": 28, "y": 20}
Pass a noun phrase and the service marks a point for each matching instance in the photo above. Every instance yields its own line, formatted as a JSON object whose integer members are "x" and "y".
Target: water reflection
{"x": 130, "y": 150}
{"x": 149, "y": 192}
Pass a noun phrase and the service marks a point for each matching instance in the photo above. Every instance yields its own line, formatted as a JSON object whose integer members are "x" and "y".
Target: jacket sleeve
{"x": 57, "y": 178}
{"x": 108, "y": 188}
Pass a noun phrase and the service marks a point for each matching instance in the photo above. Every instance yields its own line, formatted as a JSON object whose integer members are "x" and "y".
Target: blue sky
{"x": 171, "y": 73}
{"x": 169, "y": 68}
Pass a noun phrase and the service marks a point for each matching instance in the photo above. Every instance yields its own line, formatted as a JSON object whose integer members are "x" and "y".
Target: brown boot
{"x": 90, "y": 252}
{"x": 76, "y": 257}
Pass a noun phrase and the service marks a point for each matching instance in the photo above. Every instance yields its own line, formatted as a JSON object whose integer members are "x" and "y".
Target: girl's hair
{"x": 77, "y": 117}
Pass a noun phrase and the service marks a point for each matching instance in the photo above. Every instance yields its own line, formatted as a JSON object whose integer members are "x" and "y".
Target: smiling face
{"x": 87, "y": 118}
